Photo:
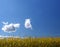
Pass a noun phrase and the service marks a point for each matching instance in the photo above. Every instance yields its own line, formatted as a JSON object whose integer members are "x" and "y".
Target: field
{"x": 30, "y": 42}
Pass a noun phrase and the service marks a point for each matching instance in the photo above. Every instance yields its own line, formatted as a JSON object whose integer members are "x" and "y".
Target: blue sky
{"x": 44, "y": 16}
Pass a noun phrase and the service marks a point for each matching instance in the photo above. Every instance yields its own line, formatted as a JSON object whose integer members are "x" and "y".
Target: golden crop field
{"x": 30, "y": 42}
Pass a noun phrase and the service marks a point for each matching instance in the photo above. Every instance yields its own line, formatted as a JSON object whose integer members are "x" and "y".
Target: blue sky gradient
{"x": 44, "y": 15}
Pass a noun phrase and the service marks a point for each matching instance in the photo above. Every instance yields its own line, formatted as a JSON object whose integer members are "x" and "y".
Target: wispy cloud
{"x": 5, "y": 22}
{"x": 10, "y": 27}
{"x": 2, "y": 37}
{"x": 28, "y": 23}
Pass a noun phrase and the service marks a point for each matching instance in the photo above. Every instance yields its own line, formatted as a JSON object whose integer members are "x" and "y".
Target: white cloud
{"x": 2, "y": 37}
{"x": 5, "y": 22}
{"x": 28, "y": 23}
{"x": 16, "y": 25}
{"x": 10, "y": 27}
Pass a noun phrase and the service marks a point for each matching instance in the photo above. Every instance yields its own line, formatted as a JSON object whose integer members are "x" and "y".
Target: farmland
{"x": 30, "y": 42}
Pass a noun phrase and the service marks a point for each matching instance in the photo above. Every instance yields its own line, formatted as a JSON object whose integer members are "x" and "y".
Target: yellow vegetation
{"x": 30, "y": 42}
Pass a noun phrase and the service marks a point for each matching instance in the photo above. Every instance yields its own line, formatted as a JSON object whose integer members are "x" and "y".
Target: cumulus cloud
{"x": 28, "y": 23}
{"x": 10, "y": 27}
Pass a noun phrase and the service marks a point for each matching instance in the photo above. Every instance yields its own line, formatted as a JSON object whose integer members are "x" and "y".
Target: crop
{"x": 30, "y": 42}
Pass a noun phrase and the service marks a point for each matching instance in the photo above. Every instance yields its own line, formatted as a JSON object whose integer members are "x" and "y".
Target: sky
{"x": 42, "y": 18}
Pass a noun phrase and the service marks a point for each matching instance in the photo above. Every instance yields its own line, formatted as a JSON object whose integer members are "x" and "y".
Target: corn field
{"x": 30, "y": 42}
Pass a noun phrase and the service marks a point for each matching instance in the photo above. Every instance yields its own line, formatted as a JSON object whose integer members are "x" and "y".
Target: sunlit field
{"x": 30, "y": 42}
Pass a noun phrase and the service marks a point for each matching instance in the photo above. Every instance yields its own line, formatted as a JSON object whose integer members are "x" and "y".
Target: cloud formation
{"x": 10, "y": 27}
{"x": 1, "y": 36}
{"x": 28, "y": 23}
{"x": 5, "y": 22}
